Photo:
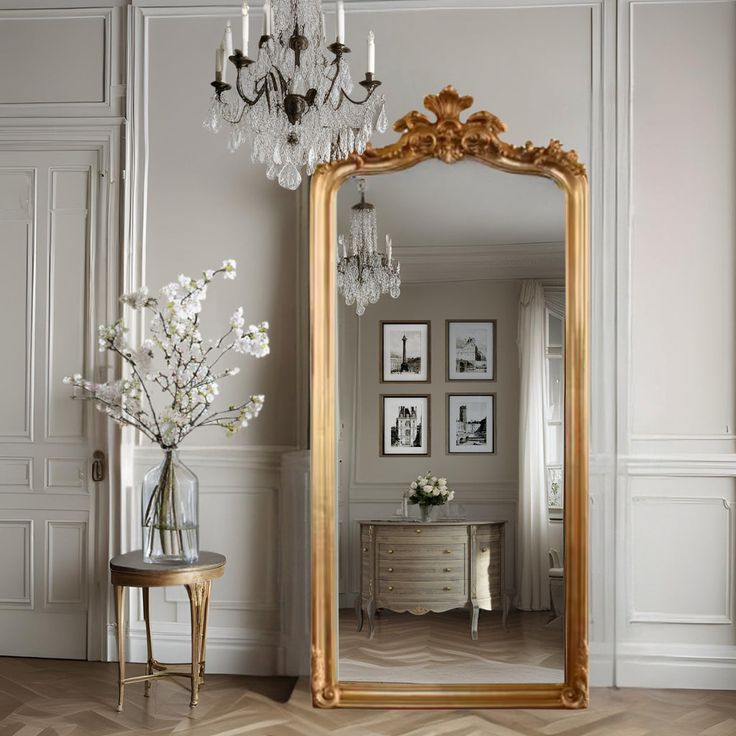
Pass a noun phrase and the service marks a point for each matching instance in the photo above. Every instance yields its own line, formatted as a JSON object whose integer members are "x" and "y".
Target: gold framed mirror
{"x": 448, "y": 139}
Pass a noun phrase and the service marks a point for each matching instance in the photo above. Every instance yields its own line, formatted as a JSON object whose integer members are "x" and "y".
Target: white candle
{"x": 324, "y": 27}
{"x": 223, "y": 61}
{"x": 218, "y": 64}
{"x": 226, "y": 48}
{"x": 371, "y": 53}
{"x": 340, "y": 21}
{"x": 244, "y": 23}
{"x": 388, "y": 249}
{"x": 227, "y": 40}
{"x": 267, "y": 18}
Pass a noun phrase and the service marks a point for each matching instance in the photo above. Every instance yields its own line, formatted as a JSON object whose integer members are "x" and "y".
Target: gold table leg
{"x": 204, "y": 631}
{"x": 120, "y": 619}
{"x": 198, "y": 598}
{"x": 149, "y": 643}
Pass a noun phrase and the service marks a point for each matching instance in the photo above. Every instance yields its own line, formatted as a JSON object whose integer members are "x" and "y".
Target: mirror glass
{"x": 450, "y": 427}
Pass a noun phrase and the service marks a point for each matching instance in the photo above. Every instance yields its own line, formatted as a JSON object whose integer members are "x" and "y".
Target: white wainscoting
{"x": 676, "y": 306}
{"x": 239, "y": 517}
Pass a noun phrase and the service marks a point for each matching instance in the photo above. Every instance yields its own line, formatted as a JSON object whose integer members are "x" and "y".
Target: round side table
{"x": 129, "y": 570}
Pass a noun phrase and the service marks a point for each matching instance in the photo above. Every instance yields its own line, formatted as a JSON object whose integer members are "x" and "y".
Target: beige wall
{"x": 435, "y": 303}
{"x": 205, "y": 204}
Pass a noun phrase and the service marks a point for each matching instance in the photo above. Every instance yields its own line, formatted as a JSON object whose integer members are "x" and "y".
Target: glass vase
{"x": 427, "y": 512}
{"x": 170, "y": 512}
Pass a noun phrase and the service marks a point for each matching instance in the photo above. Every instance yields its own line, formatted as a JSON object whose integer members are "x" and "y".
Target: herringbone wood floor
{"x": 437, "y": 647}
{"x": 58, "y": 698}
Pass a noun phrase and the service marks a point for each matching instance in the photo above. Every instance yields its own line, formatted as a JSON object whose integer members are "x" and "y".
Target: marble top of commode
{"x": 439, "y": 522}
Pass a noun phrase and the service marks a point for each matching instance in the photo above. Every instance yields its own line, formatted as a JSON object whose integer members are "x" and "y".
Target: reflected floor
{"x": 437, "y": 647}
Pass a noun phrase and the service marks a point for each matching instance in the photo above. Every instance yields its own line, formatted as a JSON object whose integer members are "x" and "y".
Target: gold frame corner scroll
{"x": 448, "y": 139}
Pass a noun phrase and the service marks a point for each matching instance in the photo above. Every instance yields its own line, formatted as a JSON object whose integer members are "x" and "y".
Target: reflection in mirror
{"x": 450, "y": 437}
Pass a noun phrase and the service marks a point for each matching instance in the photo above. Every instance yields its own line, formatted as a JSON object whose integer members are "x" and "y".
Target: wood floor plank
{"x": 53, "y": 698}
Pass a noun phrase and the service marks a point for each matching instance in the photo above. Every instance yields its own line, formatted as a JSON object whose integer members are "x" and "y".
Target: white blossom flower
{"x": 138, "y": 299}
{"x": 143, "y": 357}
{"x": 237, "y": 320}
{"x": 186, "y": 377}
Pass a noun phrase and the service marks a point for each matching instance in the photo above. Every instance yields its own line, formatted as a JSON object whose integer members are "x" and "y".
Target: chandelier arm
{"x": 235, "y": 120}
{"x": 243, "y": 96}
{"x": 282, "y": 81}
{"x": 344, "y": 94}
{"x": 336, "y": 63}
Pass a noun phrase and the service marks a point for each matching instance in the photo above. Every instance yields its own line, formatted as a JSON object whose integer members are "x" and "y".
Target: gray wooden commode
{"x": 437, "y": 566}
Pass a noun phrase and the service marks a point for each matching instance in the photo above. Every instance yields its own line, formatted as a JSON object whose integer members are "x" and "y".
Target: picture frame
{"x": 471, "y": 423}
{"x": 405, "y": 425}
{"x": 471, "y": 349}
{"x": 405, "y": 351}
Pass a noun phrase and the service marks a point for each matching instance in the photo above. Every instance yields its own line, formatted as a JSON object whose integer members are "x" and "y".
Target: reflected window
{"x": 554, "y": 412}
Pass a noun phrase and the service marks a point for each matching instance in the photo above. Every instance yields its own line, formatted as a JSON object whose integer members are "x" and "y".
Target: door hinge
{"x": 98, "y": 466}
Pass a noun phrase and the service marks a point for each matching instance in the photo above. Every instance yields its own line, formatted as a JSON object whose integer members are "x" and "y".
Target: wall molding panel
{"x": 725, "y": 552}
{"x": 17, "y": 225}
{"x": 88, "y": 38}
{"x": 16, "y": 590}
{"x": 62, "y": 562}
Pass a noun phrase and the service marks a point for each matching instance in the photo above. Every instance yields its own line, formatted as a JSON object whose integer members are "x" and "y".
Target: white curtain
{"x": 532, "y": 532}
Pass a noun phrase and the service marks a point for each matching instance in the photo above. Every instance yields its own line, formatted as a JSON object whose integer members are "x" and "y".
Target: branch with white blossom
{"x": 175, "y": 364}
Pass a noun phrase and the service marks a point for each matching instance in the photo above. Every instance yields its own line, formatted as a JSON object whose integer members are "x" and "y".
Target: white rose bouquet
{"x": 428, "y": 490}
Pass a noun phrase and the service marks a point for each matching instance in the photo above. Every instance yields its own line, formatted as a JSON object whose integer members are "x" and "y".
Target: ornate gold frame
{"x": 448, "y": 139}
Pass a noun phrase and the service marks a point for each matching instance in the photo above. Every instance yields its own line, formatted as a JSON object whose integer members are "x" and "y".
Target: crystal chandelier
{"x": 294, "y": 100}
{"x": 365, "y": 274}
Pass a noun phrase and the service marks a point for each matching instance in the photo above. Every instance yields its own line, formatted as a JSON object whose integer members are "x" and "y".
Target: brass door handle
{"x": 98, "y": 466}
{"x": 390, "y": 551}
{"x": 390, "y": 569}
{"x": 390, "y": 587}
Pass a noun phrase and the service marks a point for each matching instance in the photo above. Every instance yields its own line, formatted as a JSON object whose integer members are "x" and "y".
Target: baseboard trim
{"x": 601, "y": 665}
{"x": 686, "y": 667}
{"x": 229, "y": 651}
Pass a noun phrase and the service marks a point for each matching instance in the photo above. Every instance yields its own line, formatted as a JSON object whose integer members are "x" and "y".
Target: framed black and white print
{"x": 471, "y": 350}
{"x": 405, "y": 428}
{"x": 405, "y": 352}
{"x": 471, "y": 423}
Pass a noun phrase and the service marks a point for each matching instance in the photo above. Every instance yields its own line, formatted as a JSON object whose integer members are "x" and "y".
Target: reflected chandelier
{"x": 294, "y": 100}
{"x": 365, "y": 274}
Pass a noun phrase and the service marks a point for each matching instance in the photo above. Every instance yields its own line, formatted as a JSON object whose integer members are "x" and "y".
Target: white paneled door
{"x": 48, "y": 201}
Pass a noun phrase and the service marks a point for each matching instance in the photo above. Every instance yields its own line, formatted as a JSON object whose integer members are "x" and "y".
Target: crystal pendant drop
{"x": 382, "y": 122}
{"x": 289, "y": 176}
